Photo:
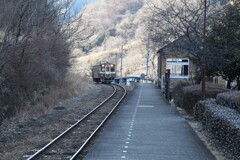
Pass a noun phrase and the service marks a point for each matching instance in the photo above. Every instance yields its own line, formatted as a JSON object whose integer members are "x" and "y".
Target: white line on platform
{"x": 142, "y": 106}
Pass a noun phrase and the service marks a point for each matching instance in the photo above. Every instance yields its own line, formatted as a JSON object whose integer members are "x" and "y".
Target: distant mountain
{"x": 118, "y": 27}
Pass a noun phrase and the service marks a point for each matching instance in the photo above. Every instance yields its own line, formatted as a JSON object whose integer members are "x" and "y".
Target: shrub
{"x": 186, "y": 97}
{"x": 96, "y": 43}
{"x": 230, "y": 99}
{"x": 12, "y": 106}
{"x": 112, "y": 32}
{"x": 222, "y": 122}
{"x": 178, "y": 92}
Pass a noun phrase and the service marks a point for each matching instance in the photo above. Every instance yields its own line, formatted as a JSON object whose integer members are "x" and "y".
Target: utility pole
{"x": 116, "y": 65}
{"x": 153, "y": 64}
{"x": 147, "y": 56}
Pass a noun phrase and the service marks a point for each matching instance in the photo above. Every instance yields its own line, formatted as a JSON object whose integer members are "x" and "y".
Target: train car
{"x": 103, "y": 72}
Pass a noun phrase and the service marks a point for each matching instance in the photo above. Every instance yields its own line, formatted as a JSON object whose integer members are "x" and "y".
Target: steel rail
{"x": 95, "y": 131}
{"x": 63, "y": 133}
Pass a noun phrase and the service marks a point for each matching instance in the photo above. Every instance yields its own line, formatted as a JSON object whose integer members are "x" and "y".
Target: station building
{"x": 178, "y": 61}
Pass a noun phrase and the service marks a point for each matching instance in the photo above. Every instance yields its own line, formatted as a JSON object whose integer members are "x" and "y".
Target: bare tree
{"x": 36, "y": 38}
{"x": 177, "y": 19}
{"x": 180, "y": 19}
{"x": 180, "y": 23}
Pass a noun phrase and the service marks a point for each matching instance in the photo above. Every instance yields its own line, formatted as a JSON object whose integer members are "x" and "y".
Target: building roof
{"x": 177, "y": 48}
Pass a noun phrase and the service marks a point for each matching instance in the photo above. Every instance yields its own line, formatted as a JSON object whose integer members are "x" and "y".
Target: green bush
{"x": 178, "y": 92}
{"x": 186, "y": 96}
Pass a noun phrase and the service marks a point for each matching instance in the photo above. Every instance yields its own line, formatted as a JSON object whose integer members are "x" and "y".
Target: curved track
{"x": 70, "y": 143}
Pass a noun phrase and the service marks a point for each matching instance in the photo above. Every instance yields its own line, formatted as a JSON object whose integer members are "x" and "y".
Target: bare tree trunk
{"x": 238, "y": 82}
{"x": 229, "y": 84}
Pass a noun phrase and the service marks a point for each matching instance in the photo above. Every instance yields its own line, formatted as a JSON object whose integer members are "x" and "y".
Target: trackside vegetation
{"x": 35, "y": 46}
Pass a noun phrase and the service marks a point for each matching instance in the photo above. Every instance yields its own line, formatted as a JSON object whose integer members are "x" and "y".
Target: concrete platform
{"x": 146, "y": 127}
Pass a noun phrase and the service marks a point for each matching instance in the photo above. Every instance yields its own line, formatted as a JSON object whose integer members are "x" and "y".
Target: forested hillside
{"x": 116, "y": 24}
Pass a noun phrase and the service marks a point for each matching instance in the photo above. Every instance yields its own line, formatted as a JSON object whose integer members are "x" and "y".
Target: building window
{"x": 179, "y": 67}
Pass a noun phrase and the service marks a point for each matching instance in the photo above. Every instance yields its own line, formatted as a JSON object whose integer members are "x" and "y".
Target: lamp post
{"x": 204, "y": 51}
{"x": 121, "y": 56}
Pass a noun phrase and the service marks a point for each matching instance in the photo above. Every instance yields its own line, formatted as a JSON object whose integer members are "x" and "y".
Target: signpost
{"x": 142, "y": 76}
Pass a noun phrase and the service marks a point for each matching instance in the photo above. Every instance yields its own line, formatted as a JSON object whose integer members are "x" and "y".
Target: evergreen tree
{"x": 224, "y": 44}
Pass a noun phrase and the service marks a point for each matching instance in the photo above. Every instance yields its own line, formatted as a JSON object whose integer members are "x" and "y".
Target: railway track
{"x": 70, "y": 143}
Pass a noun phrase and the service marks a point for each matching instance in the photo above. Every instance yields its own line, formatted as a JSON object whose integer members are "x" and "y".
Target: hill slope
{"x": 116, "y": 24}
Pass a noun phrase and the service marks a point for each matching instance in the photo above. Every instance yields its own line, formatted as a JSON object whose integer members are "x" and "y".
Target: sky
{"x": 79, "y": 4}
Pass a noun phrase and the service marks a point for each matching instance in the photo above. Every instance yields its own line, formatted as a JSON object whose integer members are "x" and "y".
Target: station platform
{"x": 146, "y": 127}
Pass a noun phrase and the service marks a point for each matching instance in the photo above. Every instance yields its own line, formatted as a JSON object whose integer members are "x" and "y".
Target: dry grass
{"x": 73, "y": 85}
{"x": 35, "y": 139}
{"x": 70, "y": 87}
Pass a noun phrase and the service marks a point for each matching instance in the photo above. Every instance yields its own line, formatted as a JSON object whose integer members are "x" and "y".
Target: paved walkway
{"x": 146, "y": 127}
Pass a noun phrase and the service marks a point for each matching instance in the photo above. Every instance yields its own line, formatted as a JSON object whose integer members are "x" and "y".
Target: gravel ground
{"x": 18, "y": 141}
